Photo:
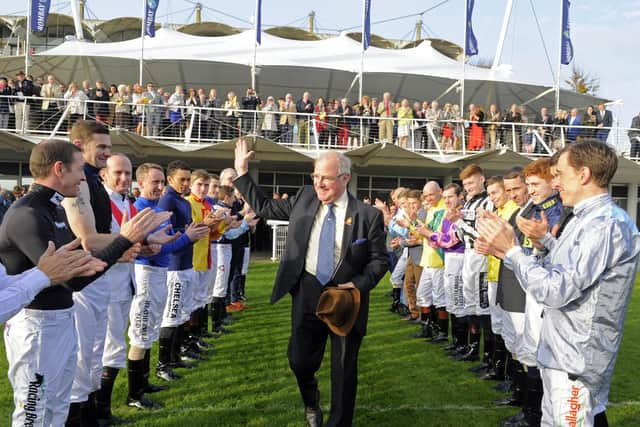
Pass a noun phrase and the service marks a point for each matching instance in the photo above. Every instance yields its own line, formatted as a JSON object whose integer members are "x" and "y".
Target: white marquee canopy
{"x": 325, "y": 67}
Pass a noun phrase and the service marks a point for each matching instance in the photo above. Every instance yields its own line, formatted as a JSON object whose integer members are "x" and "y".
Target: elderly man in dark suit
{"x": 634, "y": 137}
{"x": 333, "y": 240}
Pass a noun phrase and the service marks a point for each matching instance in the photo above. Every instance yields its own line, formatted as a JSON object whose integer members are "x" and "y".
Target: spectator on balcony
{"x": 344, "y": 111}
{"x": 574, "y": 122}
{"x": 154, "y": 109}
{"x": 419, "y": 126}
{"x": 494, "y": 128}
{"x": 604, "y": 121}
{"x": 139, "y": 105}
{"x": 333, "y": 123}
{"x": 287, "y": 119}
{"x": 100, "y": 98}
{"x": 544, "y": 118}
{"x": 113, "y": 92}
{"x": 86, "y": 87}
{"x": 304, "y": 106}
{"x": 123, "y": 108}
{"x": 5, "y": 102}
{"x": 365, "y": 112}
{"x": 269, "y": 123}
{"x": 447, "y": 128}
{"x": 373, "y": 132}
{"x": 634, "y": 137}
{"x": 214, "y": 116}
{"x": 476, "y": 131}
{"x": 405, "y": 118}
{"x": 76, "y": 103}
{"x": 250, "y": 102}
{"x": 231, "y": 116}
{"x": 321, "y": 122}
{"x": 589, "y": 119}
{"x": 175, "y": 103}
{"x": 387, "y": 111}
{"x": 433, "y": 116}
{"x": 458, "y": 130}
{"x": 193, "y": 104}
{"x": 559, "y": 131}
{"x": 51, "y": 94}
{"x": 510, "y": 134}
{"x": 22, "y": 89}
{"x": 526, "y": 132}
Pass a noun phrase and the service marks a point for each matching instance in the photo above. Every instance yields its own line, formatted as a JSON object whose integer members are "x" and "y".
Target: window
{"x": 620, "y": 194}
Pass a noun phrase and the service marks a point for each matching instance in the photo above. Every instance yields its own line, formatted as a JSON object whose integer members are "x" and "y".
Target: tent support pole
{"x": 503, "y": 33}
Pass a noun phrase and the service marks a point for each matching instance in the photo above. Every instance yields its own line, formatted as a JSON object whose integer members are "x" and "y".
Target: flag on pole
{"x": 567, "y": 46}
{"x": 39, "y": 14}
{"x": 150, "y": 17}
{"x": 259, "y": 22}
{"x": 366, "y": 24}
{"x": 471, "y": 44}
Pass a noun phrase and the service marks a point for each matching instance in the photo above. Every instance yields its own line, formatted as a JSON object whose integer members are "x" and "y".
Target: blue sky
{"x": 604, "y": 34}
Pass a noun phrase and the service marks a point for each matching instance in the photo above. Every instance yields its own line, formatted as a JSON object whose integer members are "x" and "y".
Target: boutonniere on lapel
{"x": 348, "y": 221}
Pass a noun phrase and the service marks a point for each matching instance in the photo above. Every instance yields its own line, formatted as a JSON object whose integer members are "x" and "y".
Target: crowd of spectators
{"x": 158, "y": 112}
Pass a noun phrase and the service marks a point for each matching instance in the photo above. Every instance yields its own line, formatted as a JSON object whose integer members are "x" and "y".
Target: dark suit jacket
{"x": 635, "y": 124}
{"x": 607, "y": 120}
{"x": 363, "y": 261}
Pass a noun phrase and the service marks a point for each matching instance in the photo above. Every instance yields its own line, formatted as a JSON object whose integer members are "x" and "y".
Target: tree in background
{"x": 583, "y": 82}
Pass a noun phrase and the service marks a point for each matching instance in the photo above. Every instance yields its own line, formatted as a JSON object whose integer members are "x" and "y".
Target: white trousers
{"x": 454, "y": 297}
{"x": 431, "y": 288}
{"x": 214, "y": 272}
{"x": 397, "y": 275}
{"x": 495, "y": 310}
{"x": 567, "y": 402}
{"x": 179, "y": 284}
{"x": 512, "y": 328}
{"x": 527, "y": 345}
{"x": 474, "y": 280}
{"x": 201, "y": 281}
{"x": 148, "y": 304}
{"x": 41, "y": 348}
{"x": 223, "y": 265}
{"x": 121, "y": 280}
{"x": 91, "y": 327}
{"x": 245, "y": 261}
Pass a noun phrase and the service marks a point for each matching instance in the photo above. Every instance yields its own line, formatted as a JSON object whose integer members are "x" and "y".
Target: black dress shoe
{"x": 314, "y": 416}
{"x": 167, "y": 374}
{"x": 152, "y": 388}
{"x": 508, "y": 401}
{"x": 504, "y": 387}
{"x": 517, "y": 417}
{"x": 492, "y": 375}
{"x": 141, "y": 403}
{"x": 480, "y": 368}
{"x": 112, "y": 421}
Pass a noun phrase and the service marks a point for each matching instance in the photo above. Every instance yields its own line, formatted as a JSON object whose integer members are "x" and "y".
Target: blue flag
{"x": 259, "y": 22}
{"x": 39, "y": 14}
{"x": 366, "y": 31}
{"x": 471, "y": 44}
{"x": 150, "y": 17}
{"x": 567, "y": 46}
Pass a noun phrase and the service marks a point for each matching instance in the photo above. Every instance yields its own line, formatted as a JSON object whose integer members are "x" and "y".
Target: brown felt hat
{"x": 339, "y": 308}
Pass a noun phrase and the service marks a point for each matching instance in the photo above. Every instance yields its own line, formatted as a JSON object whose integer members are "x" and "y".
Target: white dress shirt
{"x": 340, "y": 211}
{"x": 18, "y": 291}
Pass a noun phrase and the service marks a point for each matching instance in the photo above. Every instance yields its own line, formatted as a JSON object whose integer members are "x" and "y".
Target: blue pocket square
{"x": 360, "y": 242}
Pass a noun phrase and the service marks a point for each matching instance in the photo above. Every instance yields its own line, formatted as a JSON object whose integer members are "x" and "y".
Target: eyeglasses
{"x": 315, "y": 177}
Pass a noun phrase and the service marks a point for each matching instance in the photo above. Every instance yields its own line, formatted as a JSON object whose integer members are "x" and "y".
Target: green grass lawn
{"x": 403, "y": 381}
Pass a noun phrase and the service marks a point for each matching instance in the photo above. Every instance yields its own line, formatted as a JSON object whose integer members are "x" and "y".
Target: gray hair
{"x": 344, "y": 163}
{"x": 228, "y": 172}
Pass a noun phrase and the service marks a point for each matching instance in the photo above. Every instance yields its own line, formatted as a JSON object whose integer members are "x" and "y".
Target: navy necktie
{"x": 326, "y": 248}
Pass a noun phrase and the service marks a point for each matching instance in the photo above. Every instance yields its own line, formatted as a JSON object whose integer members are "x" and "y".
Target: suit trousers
{"x": 306, "y": 351}
{"x": 386, "y": 130}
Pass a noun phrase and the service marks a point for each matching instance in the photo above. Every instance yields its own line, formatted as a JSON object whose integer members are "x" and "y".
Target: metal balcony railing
{"x": 194, "y": 124}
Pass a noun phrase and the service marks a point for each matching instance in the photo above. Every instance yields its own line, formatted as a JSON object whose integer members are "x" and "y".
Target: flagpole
{"x": 28, "y": 39}
{"x": 144, "y": 20}
{"x": 559, "y": 56}
{"x": 362, "y": 49}
{"x": 255, "y": 46}
{"x": 464, "y": 56}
